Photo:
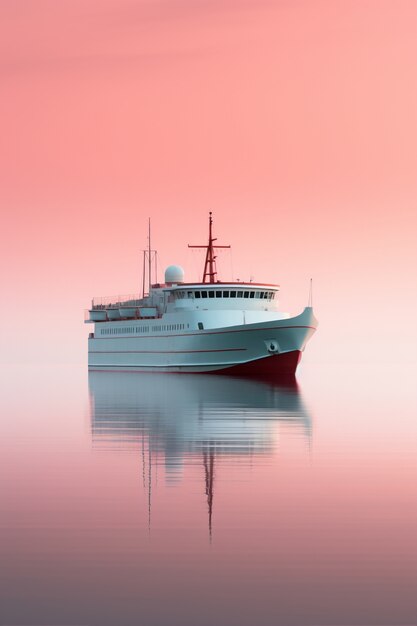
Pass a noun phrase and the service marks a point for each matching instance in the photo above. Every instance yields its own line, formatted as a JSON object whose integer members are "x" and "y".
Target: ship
{"x": 212, "y": 327}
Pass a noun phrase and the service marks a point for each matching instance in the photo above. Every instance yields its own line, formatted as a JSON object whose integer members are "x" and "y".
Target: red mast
{"x": 210, "y": 270}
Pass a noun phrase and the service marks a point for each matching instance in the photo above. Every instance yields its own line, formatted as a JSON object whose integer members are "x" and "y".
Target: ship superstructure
{"x": 207, "y": 326}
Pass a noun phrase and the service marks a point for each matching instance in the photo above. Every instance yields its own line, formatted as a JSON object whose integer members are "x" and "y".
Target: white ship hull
{"x": 272, "y": 347}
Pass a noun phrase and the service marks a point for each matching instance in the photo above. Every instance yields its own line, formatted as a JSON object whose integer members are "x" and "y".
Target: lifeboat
{"x": 148, "y": 312}
{"x": 98, "y": 315}
{"x": 113, "y": 314}
{"x": 128, "y": 312}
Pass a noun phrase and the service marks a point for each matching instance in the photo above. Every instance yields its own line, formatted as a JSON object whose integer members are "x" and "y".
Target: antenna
{"x": 210, "y": 270}
{"x": 156, "y": 265}
{"x": 149, "y": 257}
{"x": 310, "y": 295}
{"x": 143, "y": 273}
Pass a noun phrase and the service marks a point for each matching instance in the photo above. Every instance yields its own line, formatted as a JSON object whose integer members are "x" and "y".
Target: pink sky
{"x": 295, "y": 122}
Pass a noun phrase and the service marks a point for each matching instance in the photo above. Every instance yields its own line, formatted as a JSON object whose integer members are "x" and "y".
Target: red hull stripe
{"x": 202, "y": 332}
{"x": 163, "y": 351}
{"x": 272, "y": 368}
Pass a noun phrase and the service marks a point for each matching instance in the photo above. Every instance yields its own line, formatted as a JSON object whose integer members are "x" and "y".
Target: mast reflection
{"x": 174, "y": 419}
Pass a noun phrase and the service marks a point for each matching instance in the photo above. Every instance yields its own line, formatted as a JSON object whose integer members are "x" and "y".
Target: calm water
{"x": 129, "y": 499}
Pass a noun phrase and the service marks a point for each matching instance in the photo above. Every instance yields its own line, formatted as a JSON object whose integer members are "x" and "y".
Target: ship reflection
{"x": 175, "y": 420}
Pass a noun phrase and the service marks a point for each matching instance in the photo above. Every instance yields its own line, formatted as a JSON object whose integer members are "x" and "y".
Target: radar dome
{"x": 174, "y": 274}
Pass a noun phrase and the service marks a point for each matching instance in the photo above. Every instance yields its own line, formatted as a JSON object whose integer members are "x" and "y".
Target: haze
{"x": 294, "y": 122}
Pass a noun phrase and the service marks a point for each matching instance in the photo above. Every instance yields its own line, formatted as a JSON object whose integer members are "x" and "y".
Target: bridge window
{"x": 211, "y": 294}
{"x": 240, "y": 294}
{"x": 233, "y": 294}
{"x": 204, "y": 294}
{"x": 218, "y": 294}
{"x": 246, "y": 294}
{"x": 225, "y": 294}
{"x": 196, "y": 294}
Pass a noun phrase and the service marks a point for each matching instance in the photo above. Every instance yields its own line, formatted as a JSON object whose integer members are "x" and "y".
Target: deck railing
{"x": 116, "y": 301}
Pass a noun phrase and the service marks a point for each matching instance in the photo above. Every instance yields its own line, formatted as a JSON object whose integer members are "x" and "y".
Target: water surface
{"x": 152, "y": 499}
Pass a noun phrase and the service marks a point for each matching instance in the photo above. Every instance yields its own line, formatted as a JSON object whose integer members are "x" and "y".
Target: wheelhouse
{"x": 228, "y": 292}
